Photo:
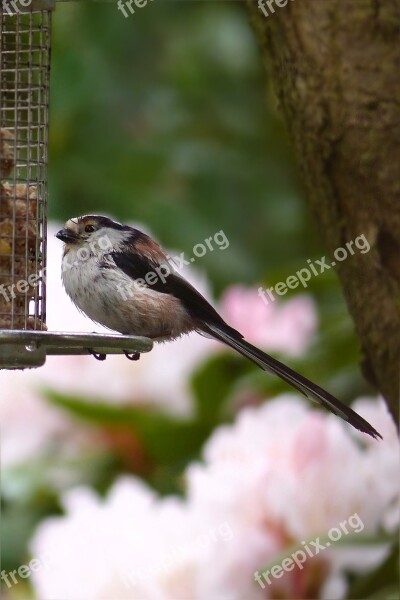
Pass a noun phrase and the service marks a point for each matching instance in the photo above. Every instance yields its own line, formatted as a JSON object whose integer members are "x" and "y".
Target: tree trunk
{"x": 335, "y": 65}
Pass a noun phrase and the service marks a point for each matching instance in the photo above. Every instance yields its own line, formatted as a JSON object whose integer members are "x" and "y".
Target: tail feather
{"x": 302, "y": 384}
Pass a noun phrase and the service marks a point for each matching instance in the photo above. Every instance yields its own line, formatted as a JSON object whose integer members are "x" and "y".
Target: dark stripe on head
{"x": 105, "y": 222}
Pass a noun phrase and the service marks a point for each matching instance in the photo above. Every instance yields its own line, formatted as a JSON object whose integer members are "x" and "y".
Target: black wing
{"x": 138, "y": 266}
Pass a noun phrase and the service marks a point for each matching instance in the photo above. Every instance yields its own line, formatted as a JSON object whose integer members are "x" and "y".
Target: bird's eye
{"x": 90, "y": 228}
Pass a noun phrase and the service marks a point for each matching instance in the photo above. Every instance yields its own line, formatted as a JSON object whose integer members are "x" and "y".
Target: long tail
{"x": 303, "y": 385}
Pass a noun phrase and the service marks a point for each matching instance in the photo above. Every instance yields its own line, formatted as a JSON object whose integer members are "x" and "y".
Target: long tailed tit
{"x": 122, "y": 279}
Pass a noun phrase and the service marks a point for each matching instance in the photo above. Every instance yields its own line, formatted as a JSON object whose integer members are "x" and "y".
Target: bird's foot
{"x": 97, "y": 355}
{"x": 132, "y": 356}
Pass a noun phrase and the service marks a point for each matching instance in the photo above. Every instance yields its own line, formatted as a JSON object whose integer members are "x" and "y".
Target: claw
{"x": 132, "y": 356}
{"x": 97, "y": 355}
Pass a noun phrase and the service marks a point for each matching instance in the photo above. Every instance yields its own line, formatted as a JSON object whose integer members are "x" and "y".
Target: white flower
{"x": 129, "y": 545}
{"x": 29, "y": 424}
{"x": 279, "y": 478}
{"x": 384, "y": 459}
{"x": 299, "y": 466}
{"x": 299, "y": 474}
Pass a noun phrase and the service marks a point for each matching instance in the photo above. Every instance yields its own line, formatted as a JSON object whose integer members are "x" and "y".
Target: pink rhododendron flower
{"x": 280, "y": 326}
{"x": 282, "y": 476}
{"x": 29, "y": 424}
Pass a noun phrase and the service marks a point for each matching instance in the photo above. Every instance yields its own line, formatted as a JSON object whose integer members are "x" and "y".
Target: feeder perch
{"x": 25, "y": 43}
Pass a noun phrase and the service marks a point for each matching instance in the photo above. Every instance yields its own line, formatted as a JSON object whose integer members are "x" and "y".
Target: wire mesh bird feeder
{"x": 25, "y": 44}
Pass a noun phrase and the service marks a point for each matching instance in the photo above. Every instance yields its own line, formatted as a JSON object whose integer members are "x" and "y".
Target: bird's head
{"x": 94, "y": 230}
{"x": 95, "y": 235}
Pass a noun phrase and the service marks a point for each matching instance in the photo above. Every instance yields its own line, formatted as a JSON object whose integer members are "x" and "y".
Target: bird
{"x": 122, "y": 279}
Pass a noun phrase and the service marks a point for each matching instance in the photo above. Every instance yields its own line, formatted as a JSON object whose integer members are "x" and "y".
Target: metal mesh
{"x": 24, "y": 91}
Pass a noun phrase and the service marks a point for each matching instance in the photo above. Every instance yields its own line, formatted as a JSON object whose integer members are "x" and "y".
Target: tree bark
{"x": 335, "y": 66}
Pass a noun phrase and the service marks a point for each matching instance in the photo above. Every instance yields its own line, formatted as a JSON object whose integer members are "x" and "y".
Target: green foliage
{"x": 167, "y": 125}
{"x": 165, "y": 439}
{"x": 214, "y": 383}
{"x": 380, "y": 584}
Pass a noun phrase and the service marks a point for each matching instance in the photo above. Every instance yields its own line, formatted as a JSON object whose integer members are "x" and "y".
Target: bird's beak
{"x": 67, "y": 236}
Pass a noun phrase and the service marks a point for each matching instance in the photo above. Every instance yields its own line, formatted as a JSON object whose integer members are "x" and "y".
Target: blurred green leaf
{"x": 164, "y": 437}
{"x": 213, "y": 383}
{"x": 17, "y": 526}
{"x": 379, "y": 583}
